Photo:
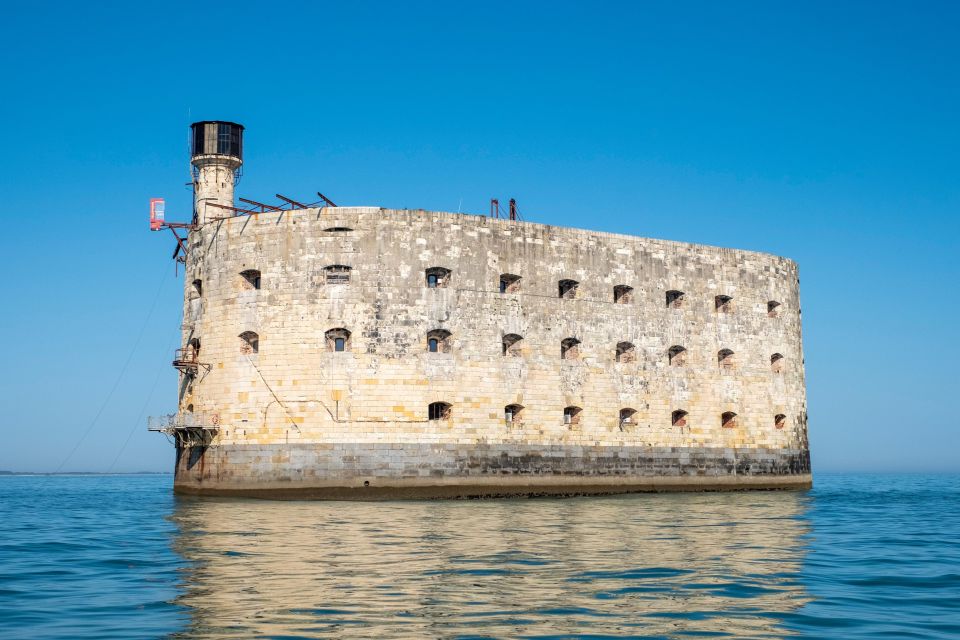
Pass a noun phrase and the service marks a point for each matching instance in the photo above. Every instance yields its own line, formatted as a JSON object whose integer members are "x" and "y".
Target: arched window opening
{"x": 438, "y": 341}
{"x": 773, "y": 309}
{"x": 674, "y": 299}
{"x": 338, "y": 339}
{"x": 512, "y": 413}
{"x": 622, "y": 294}
{"x": 678, "y": 418}
{"x": 677, "y": 356}
{"x": 337, "y": 274}
{"x": 626, "y": 352}
{"x": 779, "y": 421}
{"x": 724, "y": 304}
{"x": 725, "y": 359}
{"x": 571, "y": 415}
{"x": 439, "y": 411}
{"x": 249, "y": 343}
{"x": 437, "y": 277}
{"x": 198, "y": 287}
{"x": 251, "y": 279}
{"x": 568, "y": 289}
{"x": 626, "y": 417}
{"x": 728, "y": 420}
{"x": 509, "y": 283}
{"x": 570, "y": 349}
{"x": 338, "y": 229}
{"x": 776, "y": 363}
{"x": 190, "y": 408}
{"x": 512, "y": 345}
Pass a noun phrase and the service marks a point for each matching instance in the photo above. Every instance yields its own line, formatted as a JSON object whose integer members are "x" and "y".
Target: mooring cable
{"x": 123, "y": 370}
{"x": 143, "y": 410}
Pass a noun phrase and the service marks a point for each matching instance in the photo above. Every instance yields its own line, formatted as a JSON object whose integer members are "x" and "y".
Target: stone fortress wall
{"x": 595, "y": 391}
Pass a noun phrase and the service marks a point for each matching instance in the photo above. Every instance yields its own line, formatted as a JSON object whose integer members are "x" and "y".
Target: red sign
{"x": 156, "y": 214}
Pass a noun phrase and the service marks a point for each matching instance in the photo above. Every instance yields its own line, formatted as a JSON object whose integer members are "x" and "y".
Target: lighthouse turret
{"x": 216, "y": 153}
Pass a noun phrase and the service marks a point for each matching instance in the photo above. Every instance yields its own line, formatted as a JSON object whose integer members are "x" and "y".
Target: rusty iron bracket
{"x": 326, "y": 199}
{"x": 298, "y": 205}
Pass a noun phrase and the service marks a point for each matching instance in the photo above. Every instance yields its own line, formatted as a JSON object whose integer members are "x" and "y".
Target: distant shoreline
{"x": 84, "y": 473}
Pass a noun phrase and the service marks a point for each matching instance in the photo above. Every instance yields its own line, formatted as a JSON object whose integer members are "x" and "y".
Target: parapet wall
{"x": 296, "y": 390}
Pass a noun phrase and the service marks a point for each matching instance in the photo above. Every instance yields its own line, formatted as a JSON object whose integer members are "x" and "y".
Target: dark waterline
{"x": 860, "y": 556}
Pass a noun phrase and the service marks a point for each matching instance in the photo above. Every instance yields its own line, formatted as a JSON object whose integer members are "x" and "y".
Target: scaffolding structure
{"x": 188, "y": 429}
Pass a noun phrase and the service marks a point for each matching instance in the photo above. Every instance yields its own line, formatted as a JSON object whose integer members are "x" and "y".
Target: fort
{"x": 367, "y": 353}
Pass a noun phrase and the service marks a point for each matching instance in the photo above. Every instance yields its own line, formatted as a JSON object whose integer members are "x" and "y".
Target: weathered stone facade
{"x": 678, "y": 365}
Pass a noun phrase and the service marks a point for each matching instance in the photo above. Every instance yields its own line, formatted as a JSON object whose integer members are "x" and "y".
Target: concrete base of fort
{"x": 382, "y": 471}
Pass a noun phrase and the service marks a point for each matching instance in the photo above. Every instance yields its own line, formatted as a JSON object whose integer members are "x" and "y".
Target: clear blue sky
{"x": 826, "y": 132}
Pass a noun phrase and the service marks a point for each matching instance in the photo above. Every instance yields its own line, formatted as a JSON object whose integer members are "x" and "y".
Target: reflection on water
{"x": 665, "y": 565}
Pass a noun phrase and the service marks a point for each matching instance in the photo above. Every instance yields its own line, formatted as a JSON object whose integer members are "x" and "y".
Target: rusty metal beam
{"x": 326, "y": 199}
{"x": 180, "y": 245}
{"x": 265, "y": 207}
{"x": 299, "y": 205}
{"x": 248, "y": 212}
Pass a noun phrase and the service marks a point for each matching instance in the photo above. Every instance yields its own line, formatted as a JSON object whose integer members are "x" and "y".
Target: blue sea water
{"x": 859, "y": 556}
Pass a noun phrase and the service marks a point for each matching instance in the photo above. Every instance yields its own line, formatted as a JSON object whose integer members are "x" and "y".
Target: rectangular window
{"x": 339, "y": 344}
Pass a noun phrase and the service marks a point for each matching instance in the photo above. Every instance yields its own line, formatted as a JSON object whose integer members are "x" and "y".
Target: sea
{"x": 859, "y": 556}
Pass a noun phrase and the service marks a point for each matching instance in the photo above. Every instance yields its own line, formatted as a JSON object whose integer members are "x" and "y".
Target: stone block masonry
{"x": 368, "y": 353}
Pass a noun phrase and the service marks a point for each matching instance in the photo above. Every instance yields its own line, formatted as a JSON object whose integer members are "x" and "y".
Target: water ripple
{"x": 119, "y": 557}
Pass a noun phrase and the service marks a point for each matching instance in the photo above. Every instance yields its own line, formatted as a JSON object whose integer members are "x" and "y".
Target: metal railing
{"x": 186, "y": 355}
{"x": 189, "y": 429}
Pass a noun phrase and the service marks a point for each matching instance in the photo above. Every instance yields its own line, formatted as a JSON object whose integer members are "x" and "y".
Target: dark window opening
{"x": 249, "y": 343}
{"x": 509, "y": 283}
{"x": 773, "y": 309}
{"x": 626, "y": 417}
{"x": 568, "y": 289}
{"x": 571, "y": 415}
{"x": 622, "y": 294}
{"x": 198, "y": 287}
{"x": 437, "y": 277}
{"x": 337, "y": 274}
{"x": 724, "y": 304}
{"x": 251, "y": 279}
{"x": 570, "y": 349}
{"x": 626, "y": 352}
{"x": 779, "y": 421}
{"x": 677, "y": 356}
{"x": 338, "y": 229}
{"x": 512, "y": 413}
{"x": 728, "y": 420}
{"x": 776, "y": 363}
{"x": 438, "y": 341}
{"x": 512, "y": 345}
{"x": 725, "y": 359}
{"x": 674, "y": 299}
{"x": 678, "y": 418}
{"x": 338, "y": 339}
{"x": 438, "y": 411}
{"x": 198, "y": 146}
{"x": 228, "y": 139}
